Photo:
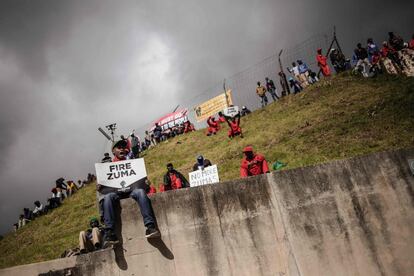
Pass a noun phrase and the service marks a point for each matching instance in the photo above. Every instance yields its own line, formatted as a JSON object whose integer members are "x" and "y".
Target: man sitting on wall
{"x": 91, "y": 239}
{"x": 109, "y": 197}
{"x": 252, "y": 163}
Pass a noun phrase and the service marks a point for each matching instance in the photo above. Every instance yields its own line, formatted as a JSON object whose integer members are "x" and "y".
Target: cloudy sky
{"x": 68, "y": 67}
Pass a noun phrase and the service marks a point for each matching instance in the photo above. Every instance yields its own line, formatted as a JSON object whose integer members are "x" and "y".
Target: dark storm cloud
{"x": 68, "y": 67}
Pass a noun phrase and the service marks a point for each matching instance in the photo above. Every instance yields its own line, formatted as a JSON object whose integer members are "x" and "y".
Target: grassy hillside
{"x": 336, "y": 119}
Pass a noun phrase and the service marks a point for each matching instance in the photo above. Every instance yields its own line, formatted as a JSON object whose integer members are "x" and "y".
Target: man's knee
{"x": 138, "y": 193}
{"x": 110, "y": 197}
{"x": 82, "y": 234}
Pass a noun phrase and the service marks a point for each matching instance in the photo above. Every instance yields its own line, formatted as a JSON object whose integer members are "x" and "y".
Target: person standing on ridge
{"x": 323, "y": 63}
{"x": 271, "y": 88}
{"x": 303, "y": 73}
{"x": 261, "y": 92}
{"x": 252, "y": 163}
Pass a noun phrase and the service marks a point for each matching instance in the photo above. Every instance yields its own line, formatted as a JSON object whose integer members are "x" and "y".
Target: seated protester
{"x": 71, "y": 188}
{"x": 252, "y": 164}
{"x": 221, "y": 117}
{"x": 39, "y": 209}
{"x": 188, "y": 127}
{"x": 55, "y": 200}
{"x": 147, "y": 140}
{"x": 235, "y": 129}
{"x": 107, "y": 158}
{"x": 213, "y": 126}
{"x": 174, "y": 180}
{"x": 313, "y": 78}
{"x": 28, "y": 214}
{"x": 201, "y": 163}
{"x": 80, "y": 184}
{"x": 60, "y": 186}
{"x": 91, "y": 239}
{"x": 15, "y": 226}
{"x": 245, "y": 111}
{"x": 109, "y": 197}
{"x": 295, "y": 85}
{"x": 22, "y": 221}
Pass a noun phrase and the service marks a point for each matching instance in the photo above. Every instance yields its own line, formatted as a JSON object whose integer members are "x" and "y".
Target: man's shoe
{"x": 110, "y": 239}
{"x": 151, "y": 233}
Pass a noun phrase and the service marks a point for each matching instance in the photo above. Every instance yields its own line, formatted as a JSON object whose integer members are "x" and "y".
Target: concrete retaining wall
{"x": 351, "y": 217}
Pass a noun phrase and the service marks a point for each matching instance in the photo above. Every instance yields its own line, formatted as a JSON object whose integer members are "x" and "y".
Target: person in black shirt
{"x": 363, "y": 63}
{"x": 107, "y": 158}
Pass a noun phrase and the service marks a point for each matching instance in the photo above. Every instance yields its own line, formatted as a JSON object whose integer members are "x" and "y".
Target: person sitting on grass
{"x": 109, "y": 199}
{"x": 173, "y": 179}
{"x": 245, "y": 111}
{"x": 235, "y": 129}
{"x": 91, "y": 239}
{"x": 221, "y": 117}
{"x": 201, "y": 163}
{"x": 252, "y": 163}
{"x": 39, "y": 209}
{"x": 213, "y": 126}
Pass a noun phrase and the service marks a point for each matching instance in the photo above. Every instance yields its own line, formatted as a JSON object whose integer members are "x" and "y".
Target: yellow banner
{"x": 212, "y": 106}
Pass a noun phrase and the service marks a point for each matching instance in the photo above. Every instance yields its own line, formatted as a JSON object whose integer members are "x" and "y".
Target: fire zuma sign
{"x": 120, "y": 174}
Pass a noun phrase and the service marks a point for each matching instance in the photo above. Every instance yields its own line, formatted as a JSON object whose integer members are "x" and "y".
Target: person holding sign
{"x": 201, "y": 163}
{"x": 234, "y": 124}
{"x": 108, "y": 198}
{"x": 252, "y": 164}
{"x": 174, "y": 180}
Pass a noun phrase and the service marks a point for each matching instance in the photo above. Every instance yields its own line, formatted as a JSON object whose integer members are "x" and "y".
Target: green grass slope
{"x": 335, "y": 119}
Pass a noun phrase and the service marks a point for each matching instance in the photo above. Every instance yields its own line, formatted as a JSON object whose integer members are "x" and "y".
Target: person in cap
{"x": 252, "y": 163}
{"x": 173, "y": 179}
{"x": 91, "y": 239}
{"x": 323, "y": 63}
{"x": 109, "y": 197}
{"x": 295, "y": 85}
{"x": 201, "y": 163}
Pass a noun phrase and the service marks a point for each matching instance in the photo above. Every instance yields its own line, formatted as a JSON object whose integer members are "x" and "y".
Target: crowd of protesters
{"x": 395, "y": 57}
{"x": 59, "y": 192}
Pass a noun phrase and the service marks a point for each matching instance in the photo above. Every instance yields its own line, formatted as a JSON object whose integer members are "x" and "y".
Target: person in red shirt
{"x": 323, "y": 63}
{"x": 411, "y": 43}
{"x": 235, "y": 129}
{"x": 221, "y": 118}
{"x": 174, "y": 180}
{"x": 188, "y": 127}
{"x": 252, "y": 164}
{"x": 213, "y": 126}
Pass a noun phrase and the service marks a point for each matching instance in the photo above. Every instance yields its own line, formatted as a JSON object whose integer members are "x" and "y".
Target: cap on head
{"x": 120, "y": 144}
{"x": 248, "y": 149}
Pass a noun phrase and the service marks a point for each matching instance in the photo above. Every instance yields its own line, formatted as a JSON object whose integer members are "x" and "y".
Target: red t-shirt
{"x": 175, "y": 182}
{"x": 256, "y": 166}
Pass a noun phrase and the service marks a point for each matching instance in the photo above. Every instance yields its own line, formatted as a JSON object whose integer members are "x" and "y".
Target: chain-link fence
{"x": 244, "y": 83}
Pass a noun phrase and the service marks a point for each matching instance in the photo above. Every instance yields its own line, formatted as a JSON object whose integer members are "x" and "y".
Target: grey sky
{"x": 68, "y": 67}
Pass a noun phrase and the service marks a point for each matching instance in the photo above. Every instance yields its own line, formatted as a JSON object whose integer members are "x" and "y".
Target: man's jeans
{"x": 263, "y": 100}
{"x": 272, "y": 92}
{"x": 144, "y": 203}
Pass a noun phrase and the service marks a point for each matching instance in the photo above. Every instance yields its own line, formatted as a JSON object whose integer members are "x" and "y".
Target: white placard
{"x": 120, "y": 174}
{"x": 208, "y": 175}
{"x": 231, "y": 111}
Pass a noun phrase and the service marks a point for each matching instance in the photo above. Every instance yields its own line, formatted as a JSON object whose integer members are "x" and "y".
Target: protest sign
{"x": 120, "y": 174}
{"x": 212, "y": 106}
{"x": 231, "y": 111}
{"x": 208, "y": 175}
